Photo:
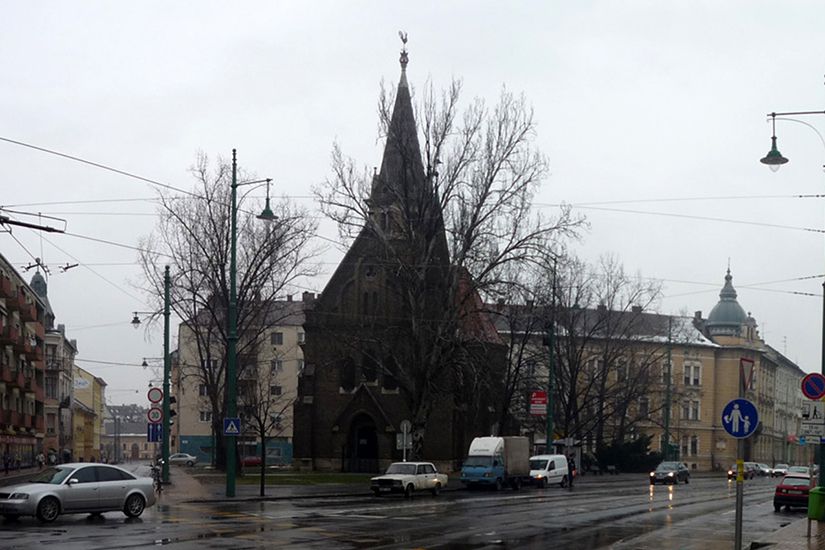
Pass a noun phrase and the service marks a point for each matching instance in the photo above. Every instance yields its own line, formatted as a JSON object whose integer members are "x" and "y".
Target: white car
{"x": 77, "y": 488}
{"x": 183, "y": 458}
{"x": 408, "y": 477}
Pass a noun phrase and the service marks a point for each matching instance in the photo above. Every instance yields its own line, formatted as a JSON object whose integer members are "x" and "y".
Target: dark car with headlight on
{"x": 670, "y": 472}
{"x": 77, "y": 488}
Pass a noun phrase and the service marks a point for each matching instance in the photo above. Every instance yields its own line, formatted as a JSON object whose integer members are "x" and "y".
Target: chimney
{"x": 308, "y": 296}
{"x": 636, "y": 309}
{"x": 601, "y": 307}
{"x": 61, "y": 328}
{"x": 289, "y": 297}
{"x": 697, "y": 315}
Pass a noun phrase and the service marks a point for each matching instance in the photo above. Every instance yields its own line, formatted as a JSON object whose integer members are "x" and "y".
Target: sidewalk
{"x": 16, "y": 476}
{"x": 794, "y": 537}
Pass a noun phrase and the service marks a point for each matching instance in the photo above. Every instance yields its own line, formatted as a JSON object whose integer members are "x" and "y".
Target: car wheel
{"x": 563, "y": 482}
{"x": 190, "y": 463}
{"x": 134, "y": 505}
{"x": 498, "y": 484}
{"x": 408, "y": 491}
{"x": 48, "y": 509}
{"x": 777, "y": 508}
{"x": 437, "y": 489}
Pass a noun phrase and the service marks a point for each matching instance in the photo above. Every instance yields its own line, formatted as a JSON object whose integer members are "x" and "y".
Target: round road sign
{"x": 155, "y": 395}
{"x": 740, "y": 418}
{"x": 813, "y": 386}
{"x": 155, "y": 415}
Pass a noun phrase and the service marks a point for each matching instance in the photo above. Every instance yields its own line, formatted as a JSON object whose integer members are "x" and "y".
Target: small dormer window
{"x": 369, "y": 272}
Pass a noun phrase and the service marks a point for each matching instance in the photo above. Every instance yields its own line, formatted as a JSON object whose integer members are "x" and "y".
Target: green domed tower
{"x": 727, "y": 317}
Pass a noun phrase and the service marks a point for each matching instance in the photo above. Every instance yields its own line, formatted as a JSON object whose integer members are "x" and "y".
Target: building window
{"x": 695, "y": 413}
{"x": 202, "y": 390}
{"x": 693, "y": 375}
{"x": 621, "y": 371}
{"x": 684, "y": 446}
{"x": 205, "y": 416}
{"x": 369, "y": 370}
{"x": 209, "y": 364}
{"x": 300, "y": 366}
{"x": 390, "y": 381}
{"x": 644, "y": 407}
{"x": 274, "y": 390}
{"x": 301, "y": 338}
{"x": 277, "y": 338}
{"x": 277, "y": 365}
{"x": 347, "y": 373}
{"x": 665, "y": 378}
{"x": 694, "y": 445}
{"x": 51, "y": 387}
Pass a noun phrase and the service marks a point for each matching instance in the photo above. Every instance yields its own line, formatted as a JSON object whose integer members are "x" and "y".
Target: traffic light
{"x": 172, "y": 412}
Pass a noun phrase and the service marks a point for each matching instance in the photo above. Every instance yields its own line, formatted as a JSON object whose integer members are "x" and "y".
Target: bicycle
{"x": 157, "y": 477}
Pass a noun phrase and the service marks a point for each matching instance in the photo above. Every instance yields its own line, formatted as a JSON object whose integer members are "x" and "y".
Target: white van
{"x": 548, "y": 469}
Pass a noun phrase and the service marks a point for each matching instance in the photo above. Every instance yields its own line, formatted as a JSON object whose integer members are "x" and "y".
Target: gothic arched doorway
{"x": 362, "y": 445}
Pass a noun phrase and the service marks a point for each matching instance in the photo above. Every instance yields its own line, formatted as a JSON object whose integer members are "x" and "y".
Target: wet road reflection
{"x": 625, "y": 512}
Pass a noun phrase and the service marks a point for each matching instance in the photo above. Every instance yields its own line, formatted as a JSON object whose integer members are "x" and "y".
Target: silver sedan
{"x": 77, "y": 488}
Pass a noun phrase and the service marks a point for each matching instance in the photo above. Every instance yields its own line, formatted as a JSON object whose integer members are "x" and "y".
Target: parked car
{"x": 78, "y": 487}
{"x": 792, "y": 492}
{"x": 548, "y": 469}
{"x": 780, "y": 470}
{"x": 408, "y": 477}
{"x": 183, "y": 458}
{"x": 251, "y": 461}
{"x": 749, "y": 473}
{"x": 670, "y": 472}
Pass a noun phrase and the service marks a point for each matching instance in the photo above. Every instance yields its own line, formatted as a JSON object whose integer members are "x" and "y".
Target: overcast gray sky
{"x": 635, "y": 101}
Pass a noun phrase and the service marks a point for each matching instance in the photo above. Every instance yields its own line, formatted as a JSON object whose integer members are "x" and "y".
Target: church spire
{"x": 401, "y": 166}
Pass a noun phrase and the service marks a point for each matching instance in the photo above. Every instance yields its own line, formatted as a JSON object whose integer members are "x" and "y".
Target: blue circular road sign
{"x": 813, "y": 386}
{"x": 740, "y": 418}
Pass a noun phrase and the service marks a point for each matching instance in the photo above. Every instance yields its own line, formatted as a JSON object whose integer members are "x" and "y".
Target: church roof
{"x": 727, "y": 312}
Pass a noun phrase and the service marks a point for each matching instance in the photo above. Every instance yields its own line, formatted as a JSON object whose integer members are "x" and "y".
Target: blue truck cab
{"x": 496, "y": 462}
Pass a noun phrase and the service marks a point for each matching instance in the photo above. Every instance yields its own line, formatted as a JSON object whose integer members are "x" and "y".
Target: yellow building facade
{"x": 87, "y": 415}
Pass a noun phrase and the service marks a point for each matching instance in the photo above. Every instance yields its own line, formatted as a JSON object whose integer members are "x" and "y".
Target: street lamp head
{"x": 267, "y": 215}
{"x": 774, "y": 158}
{"x": 136, "y": 321}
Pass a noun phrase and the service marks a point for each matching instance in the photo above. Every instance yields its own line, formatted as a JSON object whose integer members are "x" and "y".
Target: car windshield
{"x": 54, "y": 476}
{"x": 536, "y": 464}
{"x": 667, "y": 466}
{"x": 796, "y": 481}
{"x": 400, "y": 468}
{"x": 478, "y": 461}
{"x": 800, "y": 469}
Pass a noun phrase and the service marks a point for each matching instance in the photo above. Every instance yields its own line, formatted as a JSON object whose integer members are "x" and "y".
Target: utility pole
{"x": 551, "y": 368}
{"x": 668, "y": 389}
{"x": 167, "y": 369}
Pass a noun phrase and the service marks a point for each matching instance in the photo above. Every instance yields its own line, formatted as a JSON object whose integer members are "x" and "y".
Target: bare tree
{"x": 264, "y": 404}
{"x": 193, "y": 237}
{"x": 455, "y": 217}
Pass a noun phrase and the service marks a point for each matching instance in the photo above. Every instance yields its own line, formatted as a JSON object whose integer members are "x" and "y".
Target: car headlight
{"x": 670, "y": 474}
{"x": 488, "y": 474}
{"x": 652, "y": 474}
{"x": 539, "y": 476}
{"x": 19, "y": 496}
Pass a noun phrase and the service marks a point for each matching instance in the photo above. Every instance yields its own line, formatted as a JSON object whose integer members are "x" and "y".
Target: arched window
{"x": 347, "y": 373}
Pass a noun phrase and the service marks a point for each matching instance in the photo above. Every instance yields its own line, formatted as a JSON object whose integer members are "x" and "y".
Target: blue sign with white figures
{"x": 740, "y": 418}
{"x": 231, "y": 426}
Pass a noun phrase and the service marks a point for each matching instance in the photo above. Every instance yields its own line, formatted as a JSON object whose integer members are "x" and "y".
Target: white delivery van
{"x": 548, "y": 469}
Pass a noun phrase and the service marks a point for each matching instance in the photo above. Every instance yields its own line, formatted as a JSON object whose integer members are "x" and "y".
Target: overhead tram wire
{"x": 97, "y": 165}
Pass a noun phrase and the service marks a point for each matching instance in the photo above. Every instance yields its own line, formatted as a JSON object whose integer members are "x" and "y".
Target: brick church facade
{"x": 369, "y": 337}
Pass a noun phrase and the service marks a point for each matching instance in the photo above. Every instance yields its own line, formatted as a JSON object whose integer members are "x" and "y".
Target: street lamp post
{"x": 232, "y": 321}
{"x": 774, "y": 160}
{"x": 167, "y": 369}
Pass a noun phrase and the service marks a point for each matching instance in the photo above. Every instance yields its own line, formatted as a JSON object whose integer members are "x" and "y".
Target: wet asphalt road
{"x": 609, "y": 512}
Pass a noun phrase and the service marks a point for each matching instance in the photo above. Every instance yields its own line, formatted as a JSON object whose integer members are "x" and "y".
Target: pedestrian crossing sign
{"x": 231, "y": 426}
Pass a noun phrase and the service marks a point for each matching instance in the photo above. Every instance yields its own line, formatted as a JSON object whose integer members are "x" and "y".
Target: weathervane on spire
{"x": 404, "y": 58}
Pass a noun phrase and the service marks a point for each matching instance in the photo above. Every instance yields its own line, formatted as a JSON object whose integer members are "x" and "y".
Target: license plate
{"x": 385, "y": 489}
{"x": 795, "y": 492}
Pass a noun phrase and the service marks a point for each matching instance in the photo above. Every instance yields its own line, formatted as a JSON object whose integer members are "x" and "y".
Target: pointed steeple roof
{"x": 401, "y": 165}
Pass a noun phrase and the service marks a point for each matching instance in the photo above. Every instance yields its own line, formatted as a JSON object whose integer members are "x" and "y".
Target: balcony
{"x": 9, "y": 335}
{"x": 28, "y": 311}
{"x": 6, "y": 290}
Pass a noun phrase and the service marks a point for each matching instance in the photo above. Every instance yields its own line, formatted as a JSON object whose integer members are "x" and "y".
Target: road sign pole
{"x": 740, "y": 460}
